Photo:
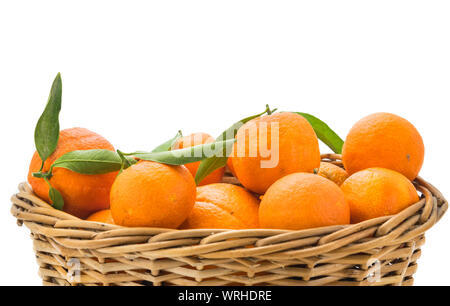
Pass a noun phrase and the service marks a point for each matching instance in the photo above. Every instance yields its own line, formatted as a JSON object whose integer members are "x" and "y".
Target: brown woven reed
{"x": 380, "y": 251}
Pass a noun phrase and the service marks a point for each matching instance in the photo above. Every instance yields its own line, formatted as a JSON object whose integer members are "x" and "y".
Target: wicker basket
{"x": 380, "y": 251}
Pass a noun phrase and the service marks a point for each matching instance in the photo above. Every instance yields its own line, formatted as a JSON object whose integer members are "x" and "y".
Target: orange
{"x": 103, "y": 216}
{"x": 303, "y": 200}
{"x": 82, "y": 194}
{"x": 194, "y": 140}
{"x": 230, "y": 166}
{"x": 150, "y": 194}
{"x": 332, "y": 172}
{"x": 270, "y": 147}
{"x": 377, "y": 192}
{"x": 223, "y": 206}
{"x": 384, "y": 140}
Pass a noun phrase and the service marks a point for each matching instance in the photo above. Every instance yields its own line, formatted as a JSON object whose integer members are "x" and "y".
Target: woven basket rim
{"x": 412, "y": 222}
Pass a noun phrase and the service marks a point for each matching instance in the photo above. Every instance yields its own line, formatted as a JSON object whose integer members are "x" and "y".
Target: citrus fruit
{"x": 223, "y": 206}
{"x": 384, "y": 140}
{"x": 332, "y": 172}
{"x": 303, "y": 200}
{"x": 377, "y": 192}
{"x": 270, "y": 147}
{"x": 150, "y": 194}
{"x": 83, "y": 194}
{"x": 103, "y": 216}
{"x": 230, "y": 166}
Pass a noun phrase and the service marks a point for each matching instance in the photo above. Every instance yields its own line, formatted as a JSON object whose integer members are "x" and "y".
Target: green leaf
{"x": 46, "y": 133}
{"x": 169, "y": 144}
{"x": 56, "y": 198}
{"x": 231, "y": 132}
{"x": 90, "y": 161}
{"x": 210, "y": 164}
{"x": 324, "y": 133}
{"x": 186, "y": 155}
{"x": 127, "y": 161}
{"x": 130, "y": 161}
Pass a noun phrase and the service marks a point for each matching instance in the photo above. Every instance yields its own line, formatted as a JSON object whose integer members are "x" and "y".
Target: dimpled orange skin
{"x": 150, "y": 194}
{"x": 102, "y": 216}
{"x": 333, "y": 173}
{"x": 303, "y": 200}
{"x": 198, "y": 139}
{"x": 377, "y": 192}
{"x": 384, "y": 140}
{"x": 298, "y": 150}
{"x": 223, "y": 206}
{"x": 83, "y": 194}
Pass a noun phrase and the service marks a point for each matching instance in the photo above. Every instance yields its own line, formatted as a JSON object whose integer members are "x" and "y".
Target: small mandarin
{"x": 303, "y": 200}
{"x": 83, "y": 194}
{"x": 270, "y": 147}
{"x": 223, "y": 206}
{"x": 332, "y": 172}
{"x": 377, "y": 192}
{"x": 150, "y": 194}
{"x": 103, "y": 216}
{"x": 384, "y": 140}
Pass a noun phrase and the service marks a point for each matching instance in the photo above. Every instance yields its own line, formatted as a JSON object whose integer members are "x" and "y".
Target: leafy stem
{"x": 126, "y": 162}
{"x": 169, "y": 144}
{"x": 44, "y": 175}
{"x": 55, "y": 196}
{"x": 46, "y": 136}
{"x": 185, "y": 155}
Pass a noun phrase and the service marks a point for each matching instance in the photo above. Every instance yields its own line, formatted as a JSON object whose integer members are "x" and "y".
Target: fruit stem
{"x": 44, "y": 175}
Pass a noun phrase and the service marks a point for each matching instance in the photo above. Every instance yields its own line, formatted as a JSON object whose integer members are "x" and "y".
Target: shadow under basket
{"x": 381, "y": 251}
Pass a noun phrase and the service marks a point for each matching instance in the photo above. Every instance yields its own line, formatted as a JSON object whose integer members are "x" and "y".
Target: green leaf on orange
{"x": 55, "y": 196}
{"x": 210, "y": 164}
{"x": 91, "y": 162}
{"x": 185, "y": 155}
{"x": 324, "y": 133}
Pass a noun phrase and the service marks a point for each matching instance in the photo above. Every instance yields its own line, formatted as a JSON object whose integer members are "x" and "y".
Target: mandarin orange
{"x": 377, "y": 192}
{"x": 150, "y": 194}
{"x": 332, "y": 172}
{"x": 303, "y": 200}
{"x": 102, "y": 216}
{"x": 384, "y": 140}
{"x": 82, "y": 194}
{"x": 270, "y": 147}
{"x": 223, "y": 206}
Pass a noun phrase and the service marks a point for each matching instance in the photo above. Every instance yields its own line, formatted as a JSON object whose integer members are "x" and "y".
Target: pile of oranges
{"x": 381, "y": 155}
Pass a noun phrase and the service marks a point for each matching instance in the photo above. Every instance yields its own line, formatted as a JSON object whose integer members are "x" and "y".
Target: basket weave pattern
{"x": 381, "y": 251}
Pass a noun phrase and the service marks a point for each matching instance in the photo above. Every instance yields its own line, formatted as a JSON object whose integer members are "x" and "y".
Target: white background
{"x": 137, "y": 71}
